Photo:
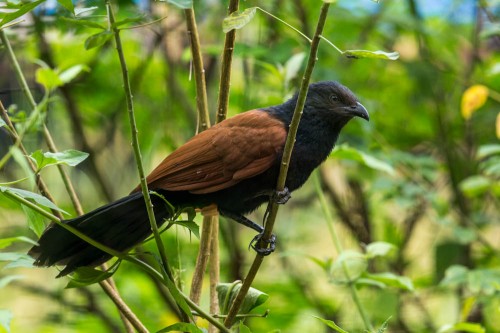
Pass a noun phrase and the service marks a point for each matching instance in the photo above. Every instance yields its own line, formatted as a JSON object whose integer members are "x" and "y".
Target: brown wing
{"x": 238, "y": 148}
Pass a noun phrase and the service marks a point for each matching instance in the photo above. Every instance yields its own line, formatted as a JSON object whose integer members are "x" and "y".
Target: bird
{"x": 233, "y": 165}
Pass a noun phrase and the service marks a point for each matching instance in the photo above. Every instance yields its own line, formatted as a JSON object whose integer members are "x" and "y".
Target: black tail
{"x": 119, "y": 225}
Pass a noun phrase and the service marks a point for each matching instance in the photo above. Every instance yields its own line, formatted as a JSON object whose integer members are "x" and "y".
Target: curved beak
{"x": 358, "y": 110}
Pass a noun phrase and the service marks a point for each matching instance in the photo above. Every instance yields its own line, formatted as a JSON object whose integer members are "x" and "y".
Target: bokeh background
{"x": 428, "y": 180}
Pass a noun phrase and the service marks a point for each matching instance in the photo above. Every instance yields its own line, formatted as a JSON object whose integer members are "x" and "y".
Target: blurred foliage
{"x": 423, "y": 176}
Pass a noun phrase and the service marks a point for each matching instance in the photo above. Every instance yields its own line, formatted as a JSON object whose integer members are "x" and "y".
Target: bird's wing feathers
{"x": 222, "y": 155}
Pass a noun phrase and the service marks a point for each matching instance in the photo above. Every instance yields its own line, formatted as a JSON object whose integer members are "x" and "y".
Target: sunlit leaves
{"x": 388, "y": 279}
{"x": 238, "y": 20}
{"x": 68, "y": 157}
{"x": 379, "y": 249}
{"x": 472, "y": 99}
{"x": 348, "y": 267}
{"x": 182, "y": 4}
{"x": 477, "y": 281}
{"x": 462, "y": 327}
{"x": 357, "y": 54}
{"x": 5, "y": 319}
{"x": 53, "y": 78}
{"x": 349, "y": 153}
{"x": 23, "y": 8}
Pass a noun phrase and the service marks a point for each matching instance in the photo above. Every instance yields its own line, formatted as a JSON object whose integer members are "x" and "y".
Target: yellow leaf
{"x": 498, "y": 125}
{"x": 472, "y": 99}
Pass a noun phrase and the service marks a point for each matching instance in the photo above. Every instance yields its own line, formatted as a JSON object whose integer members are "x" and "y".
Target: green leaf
{"x": 348, "y": 153}
{"x": 348, "y": 267}
{"x": 384, "y": 326}
{"x": 182, "y": 327}
{"x": 84, "y": 23}
{"x": 5, "y": 319}
{"x": 48, "y": 78}
{"x": 357, "y": 54}
{"x": 332, "y": 325}
{"x": 5, "y": 242}
{"x": 487, "y": 150}
{"x": 242, "y": 328}
{"x": 8, "y": 279}
{"x": 474, "y": 186}
{"x": 72, "y": 72}
{"x": 79, "y": 11}
{"x": 85, "y": 276}
{"x": 463, "y": 327}
{"x": 129, "y": 20}
{"x": 238, "y": 20}
{"x": 16, "y": 259}
{"x": 23, "y": 9}
{"x": 252, "y": 299}
{"x": 192, "y": 226}
{"x": 2, "y": 123}
{"x": 68, "y": 4}
{"x": 39, "y": 199}
{"x": 69, "y": 157}
{"x": 293, "y": 65}
{"x": 455, "y": 276}
{"x": 379, "y": 249}
{"x": 36, "y": 221}
{"x": 391, "y": 280}
{"x": 98, "y": 39}
{"x": 182, "y": 4}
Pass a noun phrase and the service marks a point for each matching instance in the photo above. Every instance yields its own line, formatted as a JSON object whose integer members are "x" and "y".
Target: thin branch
{"x": 122, "y": 306}
{"x": 273, "y": 206}
{"x": 135, "y": 144}
{"x": 199, "y": 71}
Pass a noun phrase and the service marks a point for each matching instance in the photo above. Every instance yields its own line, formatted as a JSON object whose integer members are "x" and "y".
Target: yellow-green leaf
{"x": 473, "y": 98}
{"x": 356, "y": 54}
{"x": 238, "y": 20}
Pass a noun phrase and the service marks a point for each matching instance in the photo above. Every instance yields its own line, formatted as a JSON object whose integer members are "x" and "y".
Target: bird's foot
{"x": 282, "y": 197}
{"x": 268, "y": 248}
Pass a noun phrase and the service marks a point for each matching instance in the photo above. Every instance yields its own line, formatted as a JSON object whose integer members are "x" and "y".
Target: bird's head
{"x": 335, "y": 99}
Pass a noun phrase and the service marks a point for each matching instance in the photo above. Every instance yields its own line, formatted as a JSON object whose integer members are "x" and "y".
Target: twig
{"x": 273, "y": 206}
{"x": 199, "y": 71}
{"x": 135, "y": 144}
{"x": 123, "y": 308}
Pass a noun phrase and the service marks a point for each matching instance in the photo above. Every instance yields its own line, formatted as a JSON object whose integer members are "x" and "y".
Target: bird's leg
{"x": 241, "y": 220}
{"x": 250, "y": 224}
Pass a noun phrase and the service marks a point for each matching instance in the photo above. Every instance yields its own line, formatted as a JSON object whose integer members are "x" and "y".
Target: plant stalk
{"x": 285, "y": 162}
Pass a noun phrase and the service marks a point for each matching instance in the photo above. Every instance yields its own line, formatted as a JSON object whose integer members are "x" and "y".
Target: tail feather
{"x": 120, "y": 225}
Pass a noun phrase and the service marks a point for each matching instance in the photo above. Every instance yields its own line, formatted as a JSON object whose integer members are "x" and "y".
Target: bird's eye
{"x": 334, "y": 98}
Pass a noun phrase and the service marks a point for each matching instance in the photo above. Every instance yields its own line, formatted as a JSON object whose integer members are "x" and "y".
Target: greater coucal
{"x": 234, "y": 165}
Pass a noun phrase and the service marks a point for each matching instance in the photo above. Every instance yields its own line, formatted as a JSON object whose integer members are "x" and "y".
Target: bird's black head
{"x": 334, "y": 99}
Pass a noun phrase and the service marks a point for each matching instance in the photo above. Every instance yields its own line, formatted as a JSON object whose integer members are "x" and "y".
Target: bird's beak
{"x": 358, "y": 110}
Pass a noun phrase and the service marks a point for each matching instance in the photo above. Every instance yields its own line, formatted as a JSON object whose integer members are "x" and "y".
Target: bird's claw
{"x": 268, "y": 249}
{"x": 282, "y": 197}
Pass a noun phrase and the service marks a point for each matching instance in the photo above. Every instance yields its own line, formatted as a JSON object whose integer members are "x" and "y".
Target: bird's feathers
{"x": 221, "y": 156}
